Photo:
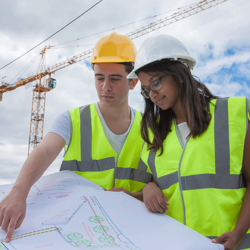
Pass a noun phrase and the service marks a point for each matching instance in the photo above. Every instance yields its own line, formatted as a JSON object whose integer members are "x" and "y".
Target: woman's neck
{"x": 179, "y": 113}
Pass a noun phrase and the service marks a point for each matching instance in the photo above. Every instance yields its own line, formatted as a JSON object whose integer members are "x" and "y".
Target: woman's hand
{"x": 154, "y": 198}
{"x": 137, "y": 195}
{"x": 229, "y": 240}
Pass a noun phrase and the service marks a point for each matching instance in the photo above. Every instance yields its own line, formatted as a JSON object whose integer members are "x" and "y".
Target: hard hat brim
{"x": 132, "y": 75}
{"x": 109, "y": 59}
{"x": 187, "y": 60}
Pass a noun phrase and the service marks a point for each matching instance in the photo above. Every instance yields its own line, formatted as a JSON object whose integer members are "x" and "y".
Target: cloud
{"x": 208, "y": 66}
{"x": 225, "y": 73}
{"x": 11, "y": 162}
{"x": 227, "y": 88}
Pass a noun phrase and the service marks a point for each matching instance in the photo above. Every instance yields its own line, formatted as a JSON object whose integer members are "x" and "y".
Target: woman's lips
{"x": 159, "y": 100}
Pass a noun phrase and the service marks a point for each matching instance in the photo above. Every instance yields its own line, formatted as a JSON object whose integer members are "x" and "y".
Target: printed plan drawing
{"x": 54, "y": 187}
{"x": 63, "y": 218}
{"x": 65, "y": 211}
{"x": 82, "y": 223}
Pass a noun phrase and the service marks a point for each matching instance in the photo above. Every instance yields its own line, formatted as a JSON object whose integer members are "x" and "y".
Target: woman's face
{"x": 165, "y": 98}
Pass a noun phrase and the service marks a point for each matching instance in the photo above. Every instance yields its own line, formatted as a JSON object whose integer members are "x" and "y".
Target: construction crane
{"x": 44, "y": 82}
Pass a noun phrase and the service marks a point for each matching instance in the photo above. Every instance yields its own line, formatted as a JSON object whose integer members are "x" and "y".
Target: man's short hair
{"x": 128, "y": 66}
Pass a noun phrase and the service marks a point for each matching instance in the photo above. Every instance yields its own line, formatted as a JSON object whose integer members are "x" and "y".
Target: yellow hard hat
{"x": 114, "y": 48}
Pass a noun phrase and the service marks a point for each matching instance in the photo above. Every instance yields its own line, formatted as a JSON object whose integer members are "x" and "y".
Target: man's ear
{"x": 133, "y": 83}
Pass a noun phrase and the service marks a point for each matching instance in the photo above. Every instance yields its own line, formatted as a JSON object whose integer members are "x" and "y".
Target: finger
{"x": 216, "y": 241}
{"x": 160, "y": 204}
{"x": 151, "y": 206}
{"x": 156, "y": 206}
{"x": 20, "y": 221}
{"x": 11, "y": 229}
{"x": 1, "y": 218}
{"x": 5, "y": 222}
{"x": 221, "y": 239}
{"x": 148, "y": 207}
{"x": 165, "y": 199}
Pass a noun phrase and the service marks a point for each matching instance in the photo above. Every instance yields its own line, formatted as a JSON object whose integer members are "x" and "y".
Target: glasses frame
{"x": 145, "y": 93}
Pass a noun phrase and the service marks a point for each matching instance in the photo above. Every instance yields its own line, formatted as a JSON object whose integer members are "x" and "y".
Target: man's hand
{"x": 154, "y": 198}
{"x": 13, "y": 206}
{"x": 12, "y": 213}
{"x": 137, "y": 195}
{"x": 229, "y": 240}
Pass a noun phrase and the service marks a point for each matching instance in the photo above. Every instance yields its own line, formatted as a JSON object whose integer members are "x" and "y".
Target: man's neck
{"x": 115, "y": 113}
{"x": 117, "y": 118}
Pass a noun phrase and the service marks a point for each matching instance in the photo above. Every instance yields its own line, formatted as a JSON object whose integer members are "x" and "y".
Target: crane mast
{"x": 38, "y": 106}
{"x": 43, "y": 86}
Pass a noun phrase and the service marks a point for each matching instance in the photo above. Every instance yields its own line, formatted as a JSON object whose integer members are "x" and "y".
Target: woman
{"x": 197, "y": 146}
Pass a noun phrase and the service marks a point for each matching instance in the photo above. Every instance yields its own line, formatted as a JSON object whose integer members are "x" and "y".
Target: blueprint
{"x": 66, "y": 211}
{"x": 82, "y": 223}
{"x": 52, "y": 188}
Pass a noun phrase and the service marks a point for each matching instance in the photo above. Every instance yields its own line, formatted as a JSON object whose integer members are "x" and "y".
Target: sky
{"x": 218, "y": 38}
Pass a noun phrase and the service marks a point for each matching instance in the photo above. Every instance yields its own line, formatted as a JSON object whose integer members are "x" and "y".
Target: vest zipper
{"x": 179, "y": 171}
{"x": 116, "y": 160}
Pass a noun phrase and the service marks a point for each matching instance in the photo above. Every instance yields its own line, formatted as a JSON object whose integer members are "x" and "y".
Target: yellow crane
{"x": 44, "y": 82}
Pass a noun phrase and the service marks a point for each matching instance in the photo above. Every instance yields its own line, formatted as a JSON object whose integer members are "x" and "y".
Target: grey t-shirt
{"x": 62, "y": 127}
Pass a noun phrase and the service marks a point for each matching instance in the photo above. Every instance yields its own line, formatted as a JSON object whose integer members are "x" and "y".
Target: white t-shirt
{"x": 183, "y": 131}
{"x": 62, "y": 127}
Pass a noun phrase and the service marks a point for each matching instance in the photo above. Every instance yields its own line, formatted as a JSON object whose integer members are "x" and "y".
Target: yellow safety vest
{"x": 90, "y": 155}
{"x": 202, "y": 180}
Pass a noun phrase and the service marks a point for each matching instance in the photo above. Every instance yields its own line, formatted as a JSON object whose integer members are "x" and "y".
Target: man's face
{"x": 111, "y": 84}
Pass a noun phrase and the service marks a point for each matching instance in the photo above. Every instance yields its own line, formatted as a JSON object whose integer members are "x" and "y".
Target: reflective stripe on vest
{"x": 216, "y": 174}
{"x": 88, "y": 163}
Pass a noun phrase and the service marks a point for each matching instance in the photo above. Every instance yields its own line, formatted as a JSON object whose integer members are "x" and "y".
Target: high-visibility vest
{"x": 202, "y": 180}
{"x": 90, "y": 155}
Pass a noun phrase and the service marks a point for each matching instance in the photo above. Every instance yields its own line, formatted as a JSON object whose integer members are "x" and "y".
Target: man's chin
{"x": 107, "y": 103}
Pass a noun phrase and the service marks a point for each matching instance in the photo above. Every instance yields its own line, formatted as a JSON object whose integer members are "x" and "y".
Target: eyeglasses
{"x": 155, "y": 86}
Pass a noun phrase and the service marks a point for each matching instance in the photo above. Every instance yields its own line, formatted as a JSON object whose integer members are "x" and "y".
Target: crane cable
{"x": 52, "y": 35}
{"x": 83, "y": 45}
{"x": 124, "y": 25}
{"x": 25, "y": 68}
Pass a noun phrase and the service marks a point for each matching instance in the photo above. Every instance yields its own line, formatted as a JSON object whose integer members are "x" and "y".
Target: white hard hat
{"x": 161, "y": 47}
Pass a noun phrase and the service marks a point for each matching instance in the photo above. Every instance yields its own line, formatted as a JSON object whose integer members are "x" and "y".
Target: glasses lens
{"x": 156, "y": 85}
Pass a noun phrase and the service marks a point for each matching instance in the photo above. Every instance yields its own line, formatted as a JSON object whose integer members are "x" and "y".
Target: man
{"x": 103, "y": 142}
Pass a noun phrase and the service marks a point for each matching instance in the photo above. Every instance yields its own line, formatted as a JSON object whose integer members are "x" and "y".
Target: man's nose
{"x": 106, "y": 85}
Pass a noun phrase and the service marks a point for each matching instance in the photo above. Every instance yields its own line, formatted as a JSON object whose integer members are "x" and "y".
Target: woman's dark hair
{"x": 194, "y": 96}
